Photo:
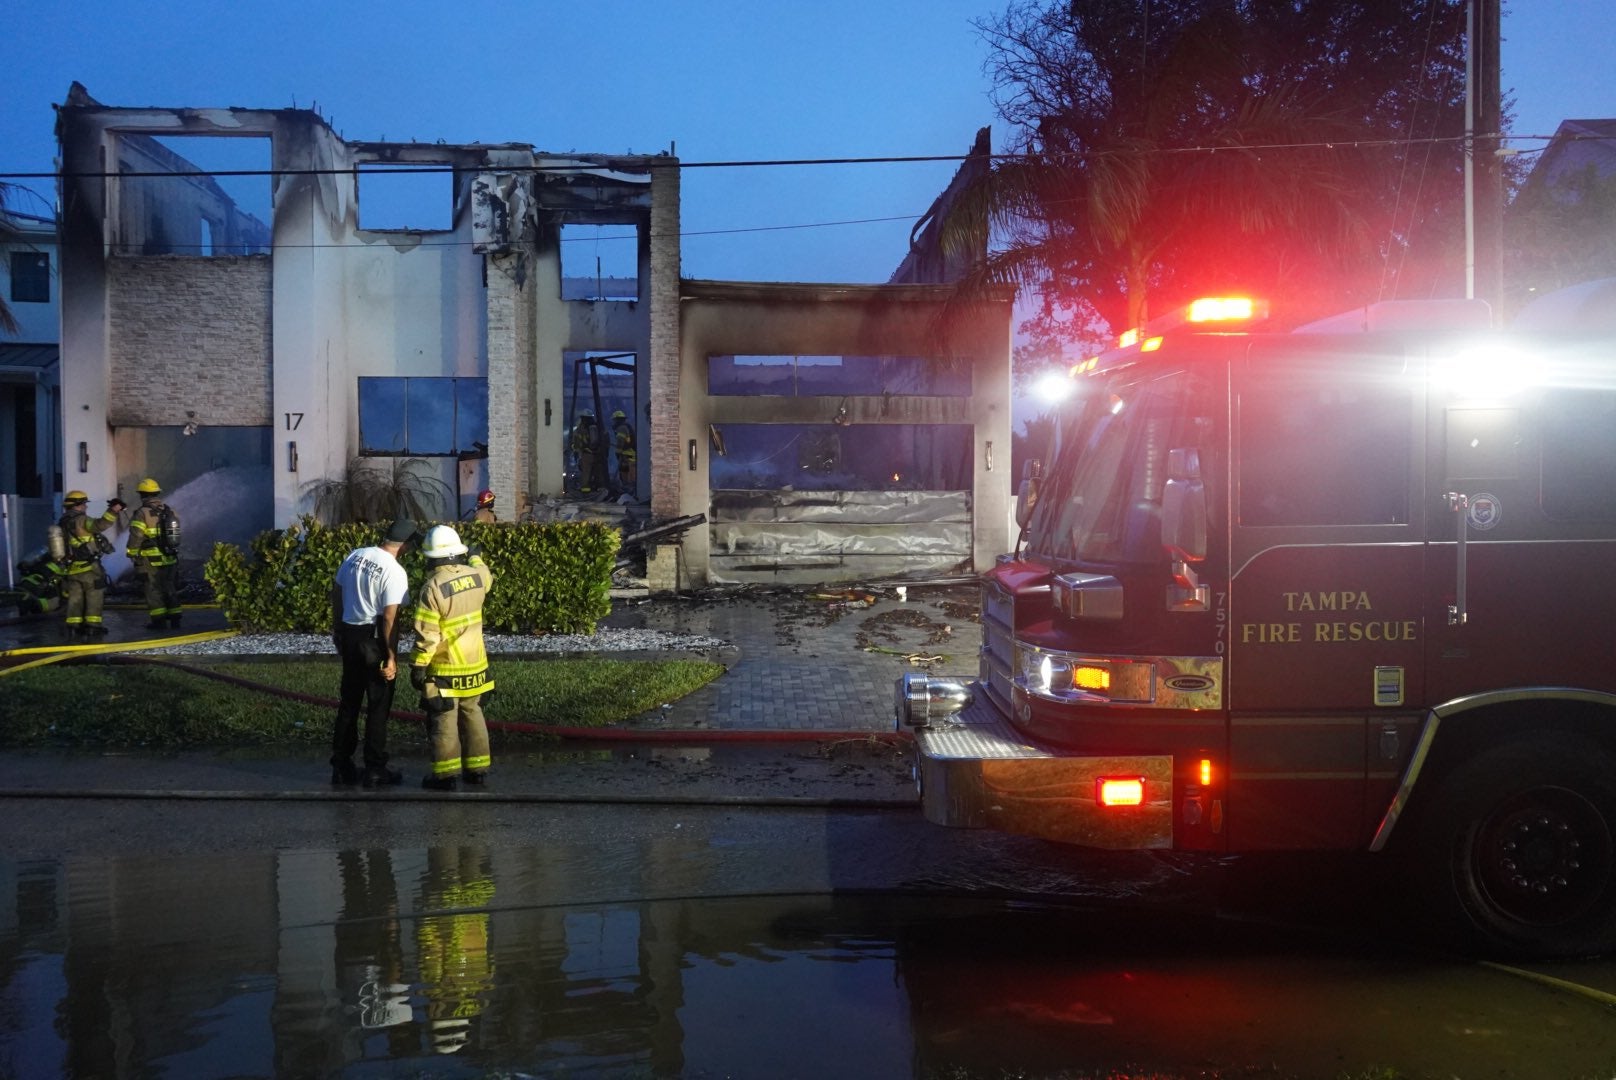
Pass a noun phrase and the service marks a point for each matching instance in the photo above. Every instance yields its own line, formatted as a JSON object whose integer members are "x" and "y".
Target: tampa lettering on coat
{"x": 459, "y": 585}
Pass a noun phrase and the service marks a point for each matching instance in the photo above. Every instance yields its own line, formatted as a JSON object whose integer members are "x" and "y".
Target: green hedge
{"x": 549, "y": 578}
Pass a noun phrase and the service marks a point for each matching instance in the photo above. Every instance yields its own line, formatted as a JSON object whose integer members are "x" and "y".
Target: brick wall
{"x": 189, "y": 335}
{"x": 666, "y": 460}
{"x": 504, "y": 366}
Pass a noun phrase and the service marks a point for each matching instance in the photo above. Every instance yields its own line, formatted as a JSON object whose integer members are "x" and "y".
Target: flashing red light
{"x": 1120, "y": 790}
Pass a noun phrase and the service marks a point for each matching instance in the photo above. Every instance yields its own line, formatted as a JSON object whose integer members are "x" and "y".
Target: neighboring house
{"x": 30, "y": 440}
{"x": 246, "y": 346}
{"x": 1560, "y": 229}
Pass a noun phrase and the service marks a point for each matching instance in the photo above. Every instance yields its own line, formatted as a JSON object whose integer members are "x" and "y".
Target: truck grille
{"x": 998, "y": 644}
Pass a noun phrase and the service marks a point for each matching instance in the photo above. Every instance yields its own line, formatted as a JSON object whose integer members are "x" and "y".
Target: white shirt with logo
{"x": 371, "y": 580}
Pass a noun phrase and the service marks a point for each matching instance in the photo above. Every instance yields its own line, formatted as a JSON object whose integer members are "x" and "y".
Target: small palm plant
{"x": 382, "y": 489}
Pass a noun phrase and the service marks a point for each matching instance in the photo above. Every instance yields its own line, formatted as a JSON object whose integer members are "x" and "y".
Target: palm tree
{"x": 1163, "y": 148}
{"x": 382, "y": 490}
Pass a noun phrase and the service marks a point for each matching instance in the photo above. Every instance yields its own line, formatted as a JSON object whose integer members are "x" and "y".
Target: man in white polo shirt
{"x": 370, "y": 586}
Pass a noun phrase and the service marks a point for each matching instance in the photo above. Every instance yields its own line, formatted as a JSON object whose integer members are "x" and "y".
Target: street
{"x": 248, "y": 937}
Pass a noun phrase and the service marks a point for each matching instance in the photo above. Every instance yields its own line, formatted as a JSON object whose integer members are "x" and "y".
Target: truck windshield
{"x": 1101, "y": 498}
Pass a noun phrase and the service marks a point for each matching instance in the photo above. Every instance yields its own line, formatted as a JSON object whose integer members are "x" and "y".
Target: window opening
{"x": 201, "y": 208}
{"x": 415, "y": 196}
{"x": 30, "y": 277}
{"x": 600, "y": 262}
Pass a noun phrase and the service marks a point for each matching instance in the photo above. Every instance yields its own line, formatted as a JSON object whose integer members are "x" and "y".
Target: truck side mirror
{"x": 1183, "y": 529}
{"x": 1032, "y": 475}
{"x": 1183, "y": 513}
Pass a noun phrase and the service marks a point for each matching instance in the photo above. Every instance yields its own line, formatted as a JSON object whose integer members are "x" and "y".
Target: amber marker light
{"x": 1091, "y": 678}
{"x": 1150, "y": 344}
{"x": 1120, "y": 790}
{"x": 1206, "y": 772}
{"x": 1128, "y": 337}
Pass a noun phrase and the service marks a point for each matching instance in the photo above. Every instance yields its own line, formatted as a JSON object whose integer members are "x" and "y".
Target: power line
{"x": 595, "y": 239}
{"x": 651, "y": 163}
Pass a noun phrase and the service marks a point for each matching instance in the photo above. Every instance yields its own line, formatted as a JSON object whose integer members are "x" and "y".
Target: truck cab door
{"x": 1326, "y": 659}
{"x": 1522, "y": 502}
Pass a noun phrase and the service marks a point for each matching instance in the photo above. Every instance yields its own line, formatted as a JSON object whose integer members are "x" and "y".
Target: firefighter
{"x": 623, "y": 440}
{"x": 154, "y": 551}
{"x": 450, "y": 667}
{"x": 484, "y": 511}
{"x": 83, "y": 581}
{"x": 39, "y": 585}
{"x": 586, "y": 448}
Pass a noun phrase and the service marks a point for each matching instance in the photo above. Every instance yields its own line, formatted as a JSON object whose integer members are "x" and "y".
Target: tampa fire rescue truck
{"x": 1345, "y": 587}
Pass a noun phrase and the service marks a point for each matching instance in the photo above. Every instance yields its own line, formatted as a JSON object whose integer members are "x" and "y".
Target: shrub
{"x": 548, "y": 578}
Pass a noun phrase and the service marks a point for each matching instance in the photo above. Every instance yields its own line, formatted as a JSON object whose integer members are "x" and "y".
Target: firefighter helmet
{"x": 74, "y": 496}
{"x": 619, "y": 415}
{"x": 148, "y": 486}
{"x": 442, "y": 542}
{"x": 485, "y": 498}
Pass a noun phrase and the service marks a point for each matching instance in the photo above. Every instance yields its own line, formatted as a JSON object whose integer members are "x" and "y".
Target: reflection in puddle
{"x": 453, "y": 961}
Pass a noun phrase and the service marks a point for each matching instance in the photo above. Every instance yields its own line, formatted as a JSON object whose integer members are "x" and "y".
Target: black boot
{"x": 174, "y": 621}
{"x": 380, "y": 776}
{"x": 343, "y": 774}
{"x": 438, "y": 783}
{"x": 475, "y": 779}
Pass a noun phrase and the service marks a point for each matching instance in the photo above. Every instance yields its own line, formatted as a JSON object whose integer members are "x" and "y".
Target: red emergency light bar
{"x": 1221, "y": 309}
{"x": 1200, "y": 311}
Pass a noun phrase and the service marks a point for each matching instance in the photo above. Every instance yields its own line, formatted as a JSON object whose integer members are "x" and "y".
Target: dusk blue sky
{"x": 717, "y": 80}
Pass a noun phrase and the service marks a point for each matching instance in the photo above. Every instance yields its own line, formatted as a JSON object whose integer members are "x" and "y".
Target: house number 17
{"x": 293, "y": 420}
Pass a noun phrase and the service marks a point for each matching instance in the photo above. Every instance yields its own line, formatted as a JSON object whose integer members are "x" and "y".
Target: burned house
{"x": 251, "y": 334}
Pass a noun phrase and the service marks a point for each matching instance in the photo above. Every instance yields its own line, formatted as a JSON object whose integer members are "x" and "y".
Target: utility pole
{"x": 1484, "y": 173}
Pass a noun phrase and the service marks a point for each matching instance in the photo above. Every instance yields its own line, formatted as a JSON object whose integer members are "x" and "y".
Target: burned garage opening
{"x": 864, "y": 493}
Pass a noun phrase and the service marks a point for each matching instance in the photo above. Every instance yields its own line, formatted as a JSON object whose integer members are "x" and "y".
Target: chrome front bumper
{"x": 975, "y": 771}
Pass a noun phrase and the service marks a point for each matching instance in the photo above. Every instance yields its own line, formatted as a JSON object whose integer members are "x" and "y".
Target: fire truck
{"x": 1344, "y": 587}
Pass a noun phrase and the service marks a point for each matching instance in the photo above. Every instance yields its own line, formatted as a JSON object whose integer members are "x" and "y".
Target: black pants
{"x": 362, "y": 655}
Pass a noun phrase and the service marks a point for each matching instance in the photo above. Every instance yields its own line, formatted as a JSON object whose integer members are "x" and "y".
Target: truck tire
{"x": 1517, "y": 851}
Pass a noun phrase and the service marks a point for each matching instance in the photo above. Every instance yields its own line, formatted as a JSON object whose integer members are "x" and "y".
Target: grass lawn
{"x": 155, "y": 705}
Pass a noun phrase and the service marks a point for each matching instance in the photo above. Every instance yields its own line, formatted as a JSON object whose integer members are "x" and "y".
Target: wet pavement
{"x": 636, "y": 942}
{"x": 809, "y": 661}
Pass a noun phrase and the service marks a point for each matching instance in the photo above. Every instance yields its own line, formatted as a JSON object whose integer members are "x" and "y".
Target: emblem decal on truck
{"x": 1485, "y": 511}
{"x": 1188, "y": 684}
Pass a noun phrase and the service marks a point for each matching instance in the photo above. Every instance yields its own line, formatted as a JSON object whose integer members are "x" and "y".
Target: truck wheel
{"x": 1518, "y": 850}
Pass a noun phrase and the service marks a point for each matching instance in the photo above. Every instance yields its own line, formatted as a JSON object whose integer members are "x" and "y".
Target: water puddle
{"x": 467, "y": 960}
